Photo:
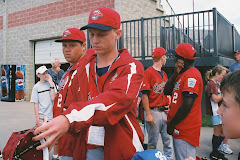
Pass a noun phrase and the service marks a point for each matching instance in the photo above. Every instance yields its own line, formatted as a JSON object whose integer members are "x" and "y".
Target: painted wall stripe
{"x": 1, "y": 22}
{"x": 54, "y": 10}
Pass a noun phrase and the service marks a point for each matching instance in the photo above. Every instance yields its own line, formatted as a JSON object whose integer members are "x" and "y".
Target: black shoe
{"x": 217, "y": 156}
{"x": 213, "y": 156}
{"x": 222, "y": 156}
{"x": 0, "y": 154}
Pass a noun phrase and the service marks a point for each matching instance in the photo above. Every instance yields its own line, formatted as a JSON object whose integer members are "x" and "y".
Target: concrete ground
{"x": 16, "y": 116}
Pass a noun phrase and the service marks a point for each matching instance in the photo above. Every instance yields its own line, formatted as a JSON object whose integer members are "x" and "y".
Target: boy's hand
{"x": 50, "y": 80}
{"x": 53, "y": 129}
{"x": 150, "y": 119}
{"x": 179, "y": 65}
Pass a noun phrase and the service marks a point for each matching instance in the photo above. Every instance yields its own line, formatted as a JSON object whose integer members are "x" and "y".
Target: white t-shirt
{"x": 41, "y": 94}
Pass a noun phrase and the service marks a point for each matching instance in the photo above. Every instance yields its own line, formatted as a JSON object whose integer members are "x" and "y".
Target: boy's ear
{"x": 84, "y": 45}
{"x": 119, "y": 33}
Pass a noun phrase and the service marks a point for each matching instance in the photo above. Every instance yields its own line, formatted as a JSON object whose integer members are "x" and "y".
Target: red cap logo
{"x": 72, "y": 34}
{"x": 95, "y": 15}
{"x": 66, "y": 33}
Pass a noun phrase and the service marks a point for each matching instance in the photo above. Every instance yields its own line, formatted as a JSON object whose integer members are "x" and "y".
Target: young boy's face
{"x": 43, "y": 76}
{"x": 73, "y": 51}
{"x": 104, "y": 42}
{"x": 230, "y": 111}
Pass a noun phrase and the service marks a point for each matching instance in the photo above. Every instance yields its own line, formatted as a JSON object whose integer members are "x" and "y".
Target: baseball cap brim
{"x": 41, "y": 70}
{"x": 67, "y": 40}
{"x": 97, "y": 26}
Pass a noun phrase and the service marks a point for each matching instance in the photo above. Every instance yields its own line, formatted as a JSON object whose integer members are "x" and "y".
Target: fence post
{"x": 142, "y": 38}
{"x": 173, "y": 36}
{"x": 121, "y": 40}
{"x": 88, "y": 41}
{"x": 215, "y": 40}
{"x": 233, "y": 37}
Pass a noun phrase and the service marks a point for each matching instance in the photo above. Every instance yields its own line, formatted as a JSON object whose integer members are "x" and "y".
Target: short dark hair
{"x": 231, "y": 84}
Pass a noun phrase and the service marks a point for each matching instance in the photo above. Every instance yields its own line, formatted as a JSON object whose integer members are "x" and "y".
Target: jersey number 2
{"x": 59, "y": 100}
{"x": 174, "y": 99}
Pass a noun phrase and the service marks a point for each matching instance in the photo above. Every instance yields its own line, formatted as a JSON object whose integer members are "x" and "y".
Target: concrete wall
{"x": 24, "y": 22}
{"x": 135, "y": 9}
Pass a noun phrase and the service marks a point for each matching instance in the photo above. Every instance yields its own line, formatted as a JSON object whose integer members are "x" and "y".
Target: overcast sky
{"x": 230, "y": 9}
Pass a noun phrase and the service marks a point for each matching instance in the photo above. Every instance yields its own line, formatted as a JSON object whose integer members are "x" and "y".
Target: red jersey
{"x": 155, "y": 83}
{"x": 66, "y": 144}
{"x": 189, "y": 128}
{"x": 111, "y": 104}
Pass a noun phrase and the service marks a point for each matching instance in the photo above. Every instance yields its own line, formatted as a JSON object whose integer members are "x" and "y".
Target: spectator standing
{"x": 235, "y": 65}
{"x": 74, "y": 50}
{"x": 43, "y": 94}
{"x": 56, "y": 72}
{"x": 111, "y": 81}
{"x": 213, "y": 97}
{"x": 155, "y": 103}
{"x": 184, "y": 116}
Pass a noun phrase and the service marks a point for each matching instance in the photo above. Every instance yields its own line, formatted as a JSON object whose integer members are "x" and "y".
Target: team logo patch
{"x": 96, "y": 14}
{"x": 177, "y": 85}
{"x": 153, "y": 56}
{"x": 191, "y": 82}
{"x": 158, "y": 88}
{"x": 66, "y": 33}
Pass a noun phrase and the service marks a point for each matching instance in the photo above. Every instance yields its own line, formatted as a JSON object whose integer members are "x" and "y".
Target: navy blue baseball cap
{"x": 171, "y": 51}
{"x": 150, "y": 154}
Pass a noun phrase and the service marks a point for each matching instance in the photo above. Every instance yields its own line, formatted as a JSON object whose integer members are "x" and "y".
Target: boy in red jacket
{"x": 110, "y": 81}
{"x": 74, "y": 51}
